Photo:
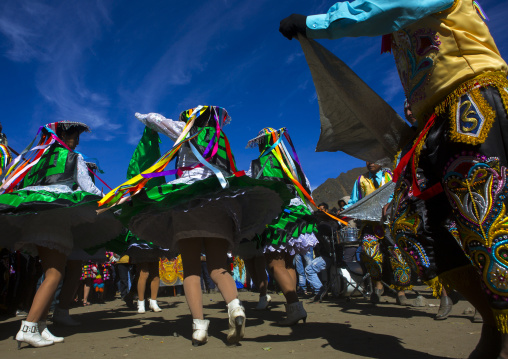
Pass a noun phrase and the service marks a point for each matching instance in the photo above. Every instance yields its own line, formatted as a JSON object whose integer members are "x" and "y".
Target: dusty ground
{"x": 334, "y": 329}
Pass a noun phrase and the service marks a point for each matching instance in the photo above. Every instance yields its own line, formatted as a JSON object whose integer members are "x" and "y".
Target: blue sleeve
{"x": 371, "y": 17}
{"x": 354, "y": 195}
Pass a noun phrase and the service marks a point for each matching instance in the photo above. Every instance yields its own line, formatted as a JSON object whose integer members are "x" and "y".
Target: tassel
{"x": 501, "y": 317}
{"x": 436, "y": 286}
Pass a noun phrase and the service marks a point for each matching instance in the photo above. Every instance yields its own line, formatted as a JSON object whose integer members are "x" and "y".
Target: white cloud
{"x": 56, "y": 38}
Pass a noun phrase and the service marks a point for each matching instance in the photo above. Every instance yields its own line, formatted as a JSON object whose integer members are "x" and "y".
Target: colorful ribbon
{"x": 280, "y": 152}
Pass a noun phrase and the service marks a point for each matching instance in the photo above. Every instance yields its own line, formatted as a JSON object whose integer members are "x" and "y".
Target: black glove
{"x": 293, "y": 25}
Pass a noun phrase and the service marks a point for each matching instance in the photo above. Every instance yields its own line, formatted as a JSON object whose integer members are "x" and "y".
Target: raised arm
{"x": 362, "y": 18}
{"x": 161, "y": 124}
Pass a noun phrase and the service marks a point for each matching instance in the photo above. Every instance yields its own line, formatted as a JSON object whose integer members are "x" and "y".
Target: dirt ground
{"x": 334, "y": 329}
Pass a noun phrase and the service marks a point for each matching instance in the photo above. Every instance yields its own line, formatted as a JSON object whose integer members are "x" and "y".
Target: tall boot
{"x": 46, "y": 334}
{"x": 29, "y": 333}
{"x": 199, "y": 331}
{"x": 445, "y": 308}
{"x": 295, "y": 312}
{"x": 236, "y": 314}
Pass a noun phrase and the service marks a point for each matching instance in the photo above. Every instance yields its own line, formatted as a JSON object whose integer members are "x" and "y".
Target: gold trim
{"x": 501, "y": 317}
{"x": 401, "y": 288}
{"x": 485, "y": 110}
{"x": 496, "y": 79}
{"x": 436, "y": 286}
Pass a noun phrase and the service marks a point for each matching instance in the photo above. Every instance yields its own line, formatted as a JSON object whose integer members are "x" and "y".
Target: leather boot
{"x": 154, "y": 306}
{"x": 236, "y": 315}
{"x": 295, "y": 312}
{"x": 29, "y": 333}
{"x": 445, "y": 308}
{"x": 46, "y": 334}
{"x": 199, "y": 331}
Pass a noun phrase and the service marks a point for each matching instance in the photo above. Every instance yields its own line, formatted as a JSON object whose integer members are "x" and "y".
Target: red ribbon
{"x": 432, "y": 191}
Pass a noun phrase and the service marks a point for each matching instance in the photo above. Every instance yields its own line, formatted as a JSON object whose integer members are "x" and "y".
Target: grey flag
{"x": 354, "y": 119}
{"x": 370, "y": 208}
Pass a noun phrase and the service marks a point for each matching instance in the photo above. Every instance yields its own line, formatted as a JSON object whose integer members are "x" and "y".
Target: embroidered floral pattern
{"x": 414, "y": 56}
{"x": 477, "y": 189}
{"x": 401, "y": 270}
{"x": 404, "y": 227}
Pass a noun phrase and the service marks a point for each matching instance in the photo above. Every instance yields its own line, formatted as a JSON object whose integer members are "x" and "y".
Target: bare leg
{"x": 256, "y": 267}
{"x": 154, "y": 284}
{"x": 86, "y": 290}
{"x": 190, "y": 249}
{"x": 287, "y": 282}
{"x": 53, "y": 264}
{"x": 262, "y": 281}
{"x": 143, "y": 273}
{"x": 216, "y": 261}
{"x": 70, "y": 284}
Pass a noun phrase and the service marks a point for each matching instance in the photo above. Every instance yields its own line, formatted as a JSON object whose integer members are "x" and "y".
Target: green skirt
{"x": 293, "y": 232}
{"x": 55, "y": 220}
{"x": 251, "y": 203}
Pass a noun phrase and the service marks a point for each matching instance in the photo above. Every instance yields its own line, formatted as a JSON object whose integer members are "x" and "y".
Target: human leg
{"x": 311, "y": 272}
{"x": 87, "y": 285}
{"x": 190, "y": 249}
{"x": 154, "y": 285}
{"x": 216, "y": 258}
{"x": 300, "y": 270}
{"x": 142, "y": 274}
{"x": 277, "y": 266}
{"x": 69, "y": 288}
{"x": 53, "y": 263}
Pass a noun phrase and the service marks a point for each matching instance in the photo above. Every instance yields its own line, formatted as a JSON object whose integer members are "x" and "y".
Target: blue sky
{"x": 101, "y": 61}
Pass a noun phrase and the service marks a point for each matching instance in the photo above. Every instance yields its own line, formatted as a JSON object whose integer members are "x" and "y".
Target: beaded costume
{"x": 375, "y": 247}
{"x": 450, "y": 197}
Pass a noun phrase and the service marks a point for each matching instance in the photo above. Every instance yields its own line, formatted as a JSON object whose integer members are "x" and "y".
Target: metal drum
{"x": 348, "y": 235}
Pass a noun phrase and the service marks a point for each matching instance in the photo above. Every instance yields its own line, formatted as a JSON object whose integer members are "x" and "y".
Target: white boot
{"x": 236, "y": 314}
{"x": 46, "y": 334}
{"x": 199, "y": 331}
{"x": 153, "y": 305}
{"x": 295, "y": 313}
{"x": 264, "y": 302}
{"x": 141, "y": 306}
{"x": 62, "y": 317}
{"x": 29, "y": 333}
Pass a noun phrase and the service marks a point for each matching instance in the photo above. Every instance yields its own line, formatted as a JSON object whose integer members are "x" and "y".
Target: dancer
{"x": 293, "y": 231}
{"x": 146, "y": 257}
{"x": 199, "y": 210}
{"x": 375, "y": 247}
{"x": 255, "y": 264}
{"x": 48, "y": 217}
{"x": 454, "y": 174}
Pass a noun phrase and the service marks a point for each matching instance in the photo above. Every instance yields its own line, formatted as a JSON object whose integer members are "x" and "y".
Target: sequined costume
{"x": 378, "y": 251}
{"x": 451, "y": 189}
